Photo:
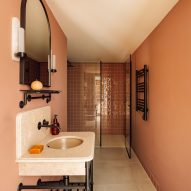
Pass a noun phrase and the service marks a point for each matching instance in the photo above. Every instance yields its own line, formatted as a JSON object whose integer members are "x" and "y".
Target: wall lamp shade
{"x": 18, "y": 42}
{"x": 53, "y": 64}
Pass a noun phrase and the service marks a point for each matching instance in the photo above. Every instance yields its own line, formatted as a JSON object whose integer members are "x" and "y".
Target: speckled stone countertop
{"x": 81, "y": 153}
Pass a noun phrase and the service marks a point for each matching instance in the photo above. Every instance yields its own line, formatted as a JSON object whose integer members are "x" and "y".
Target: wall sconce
{"x": 53, "y": 64}
{"x": 18, "y": 42}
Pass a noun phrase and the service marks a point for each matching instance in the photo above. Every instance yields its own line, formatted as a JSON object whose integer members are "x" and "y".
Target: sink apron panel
{"x": 51, "y": 169}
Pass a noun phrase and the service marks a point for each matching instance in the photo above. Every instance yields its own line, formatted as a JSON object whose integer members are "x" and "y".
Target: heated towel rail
{"x": 141, "y": 91}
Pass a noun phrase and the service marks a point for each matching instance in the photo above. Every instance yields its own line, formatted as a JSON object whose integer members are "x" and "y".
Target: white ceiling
{"x": 107, "y": 30}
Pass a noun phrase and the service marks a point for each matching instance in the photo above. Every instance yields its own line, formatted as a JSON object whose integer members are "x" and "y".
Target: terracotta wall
{"x": 10, "y": 94}
{"x": 163, "y": 143}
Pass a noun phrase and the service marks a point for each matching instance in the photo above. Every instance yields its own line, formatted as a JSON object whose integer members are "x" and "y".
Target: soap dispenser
{"x": 56, "y": 129}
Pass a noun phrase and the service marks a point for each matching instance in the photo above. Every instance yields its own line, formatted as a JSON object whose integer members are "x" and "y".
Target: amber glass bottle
{"x": 55, "y": 130}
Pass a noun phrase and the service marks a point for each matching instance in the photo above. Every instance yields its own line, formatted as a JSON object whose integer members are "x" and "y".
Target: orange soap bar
{"x": 36, "y": 149}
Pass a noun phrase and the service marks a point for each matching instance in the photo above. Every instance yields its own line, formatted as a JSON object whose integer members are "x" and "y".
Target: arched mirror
{"x": 35, "y": 65}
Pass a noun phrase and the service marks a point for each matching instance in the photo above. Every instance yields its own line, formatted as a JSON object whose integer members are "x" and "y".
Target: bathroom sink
{"x": 64, "y": 143}
{"x": 63, "y": 154}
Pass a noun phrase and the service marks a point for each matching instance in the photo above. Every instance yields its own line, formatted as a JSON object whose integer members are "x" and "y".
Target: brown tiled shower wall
{"x": 113, "y": 96}
{"x": 84, "y": 97}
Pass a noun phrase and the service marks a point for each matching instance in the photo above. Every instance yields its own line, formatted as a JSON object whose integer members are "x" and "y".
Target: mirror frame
{"x": 22, "y": 78}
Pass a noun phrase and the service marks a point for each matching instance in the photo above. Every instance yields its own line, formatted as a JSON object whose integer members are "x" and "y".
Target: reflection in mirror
{"x": 35, "y": 64}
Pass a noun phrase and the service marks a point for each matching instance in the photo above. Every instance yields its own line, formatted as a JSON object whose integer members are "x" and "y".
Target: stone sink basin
{"x": 63, "y": 154}
{"x": 64, "y": 143}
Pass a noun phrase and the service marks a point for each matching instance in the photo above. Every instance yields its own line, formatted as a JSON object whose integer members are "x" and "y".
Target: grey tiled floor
{"x": 114, "y": 171}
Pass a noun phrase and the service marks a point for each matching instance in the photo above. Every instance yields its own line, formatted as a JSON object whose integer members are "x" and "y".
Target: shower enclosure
{"x": 113, "y": 98}
{"x": 84, "y": 98}
{"x": 98, "y": 101}
{"x": 128, "y": 126}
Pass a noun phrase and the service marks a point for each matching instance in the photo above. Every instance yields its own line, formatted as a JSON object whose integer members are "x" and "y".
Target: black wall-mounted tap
{"x": 46, "y": 124}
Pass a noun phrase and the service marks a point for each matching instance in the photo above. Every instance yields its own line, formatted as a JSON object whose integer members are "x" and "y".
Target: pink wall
{"x": 10, "y": 94}
{"x": 163, "y": 143}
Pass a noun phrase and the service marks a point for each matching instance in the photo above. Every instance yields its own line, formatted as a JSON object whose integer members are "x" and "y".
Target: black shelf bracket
{"x": 38, "y": 94}
{"x": 53, "y": 70}
{"x": 141, "y": 91}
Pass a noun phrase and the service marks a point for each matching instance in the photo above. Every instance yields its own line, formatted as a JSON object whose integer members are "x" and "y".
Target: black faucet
{"x": 46, "y": 124}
